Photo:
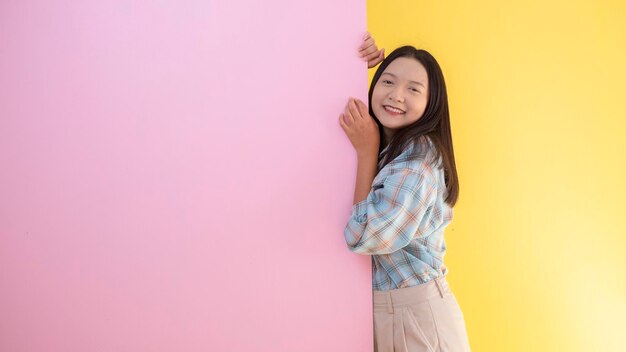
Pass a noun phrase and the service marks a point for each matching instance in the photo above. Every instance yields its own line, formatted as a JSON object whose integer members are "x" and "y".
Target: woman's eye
{"x": 415, "y": 90}
{"x": 385, "y": 81}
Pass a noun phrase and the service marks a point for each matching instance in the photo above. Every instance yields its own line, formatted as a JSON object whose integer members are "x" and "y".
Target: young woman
{"x": 405, "y": 189}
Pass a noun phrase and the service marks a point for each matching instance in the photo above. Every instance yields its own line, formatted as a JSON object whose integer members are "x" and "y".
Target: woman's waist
{"x": 437, "y": 286}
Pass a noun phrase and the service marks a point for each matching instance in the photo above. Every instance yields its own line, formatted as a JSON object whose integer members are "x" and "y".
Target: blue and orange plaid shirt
{"x": 401, "y": 223}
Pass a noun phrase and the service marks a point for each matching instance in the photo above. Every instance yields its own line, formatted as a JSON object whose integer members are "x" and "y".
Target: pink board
{"x": 174, "y": 176}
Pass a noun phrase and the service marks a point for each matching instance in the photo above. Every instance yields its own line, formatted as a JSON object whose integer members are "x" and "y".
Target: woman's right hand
{"x": 369, "y": 52}
{"x": 360, "y": 128}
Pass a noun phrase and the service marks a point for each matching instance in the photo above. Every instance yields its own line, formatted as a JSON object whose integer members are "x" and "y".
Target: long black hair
{"x": 434, "y": 123}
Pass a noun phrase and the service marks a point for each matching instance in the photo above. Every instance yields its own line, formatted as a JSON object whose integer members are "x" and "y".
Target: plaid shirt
{"x": 401, "y": 223}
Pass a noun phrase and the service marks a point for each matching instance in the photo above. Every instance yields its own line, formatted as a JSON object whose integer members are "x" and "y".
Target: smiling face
{"x": 400, "y": 95}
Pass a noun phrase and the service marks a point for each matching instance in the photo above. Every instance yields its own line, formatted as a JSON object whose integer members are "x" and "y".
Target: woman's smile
{"x": 393, "y": 110}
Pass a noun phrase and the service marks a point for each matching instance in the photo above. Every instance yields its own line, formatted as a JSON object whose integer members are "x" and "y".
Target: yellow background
{"x": 538, "y": 106}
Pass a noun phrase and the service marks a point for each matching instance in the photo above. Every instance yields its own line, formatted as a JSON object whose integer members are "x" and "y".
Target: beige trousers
{"x": 425, "y": 317}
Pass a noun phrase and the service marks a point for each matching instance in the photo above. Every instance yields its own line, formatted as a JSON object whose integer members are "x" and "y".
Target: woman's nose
{"x": 396, "y": 96}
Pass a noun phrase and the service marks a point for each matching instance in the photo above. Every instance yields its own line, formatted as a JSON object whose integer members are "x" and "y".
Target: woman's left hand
{"x": 361, "y": 128}
{"x": 369, "y": 52}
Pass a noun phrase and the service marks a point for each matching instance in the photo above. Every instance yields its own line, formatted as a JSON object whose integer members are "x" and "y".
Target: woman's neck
{"x": 386, "y": 139}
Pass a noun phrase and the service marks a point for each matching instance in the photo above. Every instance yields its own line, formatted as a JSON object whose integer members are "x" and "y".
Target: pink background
{"x": 174, "y": 176}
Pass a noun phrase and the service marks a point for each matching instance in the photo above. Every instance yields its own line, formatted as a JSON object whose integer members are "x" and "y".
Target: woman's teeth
{"x": 393, "y": 110}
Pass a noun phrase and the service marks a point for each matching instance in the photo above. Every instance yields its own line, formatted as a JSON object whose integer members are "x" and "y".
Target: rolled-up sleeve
{"x": 393, "y": 214}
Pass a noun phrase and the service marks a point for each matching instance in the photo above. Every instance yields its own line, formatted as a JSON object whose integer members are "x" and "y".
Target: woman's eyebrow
{"x": 394, "y": 76}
